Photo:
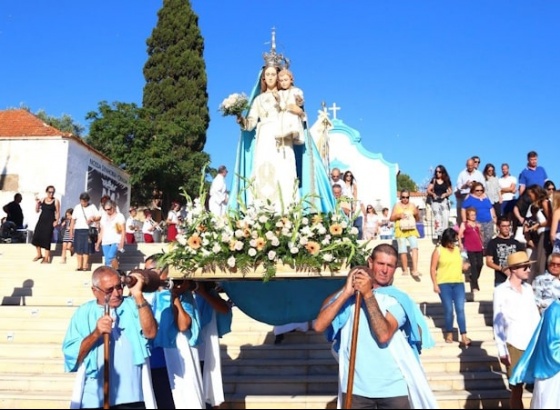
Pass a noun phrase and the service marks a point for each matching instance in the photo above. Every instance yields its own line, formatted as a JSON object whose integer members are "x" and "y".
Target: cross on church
{"x": 334, "y": 109}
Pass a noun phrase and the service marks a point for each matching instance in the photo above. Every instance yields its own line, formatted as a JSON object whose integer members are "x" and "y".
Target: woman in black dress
{"x": 42, "y": 236}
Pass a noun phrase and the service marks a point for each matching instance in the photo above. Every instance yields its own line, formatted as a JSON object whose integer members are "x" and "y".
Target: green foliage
{"x": 161, "y": 144}
{"x": 175, "y": 73}
{"x": 65, "y": 123}
{"x": 405, "y": 182}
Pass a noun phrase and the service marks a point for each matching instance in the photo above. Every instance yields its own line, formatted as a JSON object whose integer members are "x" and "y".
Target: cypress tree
{"x": 175, "y": 98}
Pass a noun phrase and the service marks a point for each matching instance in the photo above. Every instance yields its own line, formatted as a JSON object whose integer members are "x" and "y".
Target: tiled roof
{"x": 19, "y": 123}
{"x": 22, "y": 123}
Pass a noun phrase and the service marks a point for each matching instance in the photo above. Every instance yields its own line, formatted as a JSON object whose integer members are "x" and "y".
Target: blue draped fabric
{"x": 313, "y": 176}
{"x": 541, "y": 359}
{"x": 416, "y": 322}
{"x": 282, "y": 301}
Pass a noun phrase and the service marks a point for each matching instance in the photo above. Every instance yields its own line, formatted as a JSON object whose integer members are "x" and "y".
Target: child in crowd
{"x": 470, "y": 240}
{"x": 385, "y": 225}
{"x": 67, "y": 240}
{"x": 291, "y": 125}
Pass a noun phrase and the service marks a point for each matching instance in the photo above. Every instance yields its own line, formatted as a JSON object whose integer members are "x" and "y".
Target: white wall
{"x": 61, "y": 162}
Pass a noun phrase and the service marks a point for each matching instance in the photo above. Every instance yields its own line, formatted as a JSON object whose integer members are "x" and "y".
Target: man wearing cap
{"x": 217, "y": 202}
{"x": 516, "y": 317}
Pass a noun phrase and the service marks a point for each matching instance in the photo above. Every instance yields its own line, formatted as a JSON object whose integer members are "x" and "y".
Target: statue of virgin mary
{"x": 278, "y": 173}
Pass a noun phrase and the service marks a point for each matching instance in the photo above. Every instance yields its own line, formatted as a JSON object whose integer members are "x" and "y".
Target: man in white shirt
{"x": 217, "y": 203}
{"x": 508, "y": 186}
{"x": 465, "y": 180}
{"x": 516, "y": 317}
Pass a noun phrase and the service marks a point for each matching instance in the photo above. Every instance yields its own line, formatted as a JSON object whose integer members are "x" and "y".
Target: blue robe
{"x": 541, "y": 359}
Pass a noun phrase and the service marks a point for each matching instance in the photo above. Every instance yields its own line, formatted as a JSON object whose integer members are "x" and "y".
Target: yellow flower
{"x": 201, "y": 228}
{"x": 232, "y": 245}
{"x": 260, "y": 242}
{"x": 335, "y": 229}
{"x": 194, "y": 241}
{"x": 313, "y": 247}
{"x": 317, "y": 219}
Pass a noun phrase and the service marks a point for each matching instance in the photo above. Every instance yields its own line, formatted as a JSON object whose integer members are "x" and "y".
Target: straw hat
{"x": 518, "y": 259}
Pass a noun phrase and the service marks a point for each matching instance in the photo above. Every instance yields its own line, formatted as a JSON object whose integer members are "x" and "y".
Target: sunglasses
{"x": 438, "y": 171}
{"x": 108, "y": 209}
{"x": 479, "y": 190}
{"x": 405, "y": 197}
{"x": 554, "y": 265}
{"x": 526, "y": 267}
{"x": 109, "y": 291}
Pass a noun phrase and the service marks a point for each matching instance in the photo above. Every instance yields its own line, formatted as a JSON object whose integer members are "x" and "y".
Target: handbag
{"x": 407, "y": 224}
{"x": 92, "y": 230}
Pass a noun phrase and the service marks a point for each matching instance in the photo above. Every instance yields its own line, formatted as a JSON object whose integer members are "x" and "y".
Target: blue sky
{"x": 424, "y": 82}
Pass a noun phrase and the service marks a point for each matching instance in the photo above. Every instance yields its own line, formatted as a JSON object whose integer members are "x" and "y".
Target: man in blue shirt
{"x": 532, "y": 174}
{"x": 388, "y": 337}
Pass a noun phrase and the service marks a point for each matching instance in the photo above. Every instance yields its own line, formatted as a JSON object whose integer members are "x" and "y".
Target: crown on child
{"x": 273, "y": 59}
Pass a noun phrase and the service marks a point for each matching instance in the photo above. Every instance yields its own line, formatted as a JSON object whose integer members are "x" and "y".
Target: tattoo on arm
{"x": 377, "y": 321}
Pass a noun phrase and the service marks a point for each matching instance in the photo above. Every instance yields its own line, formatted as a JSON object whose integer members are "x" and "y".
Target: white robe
{"x": 212, "y": 384}
{"x": 147, "y": 390}
{"x": 274, "y": 164}
{"x": 218, "y": 196}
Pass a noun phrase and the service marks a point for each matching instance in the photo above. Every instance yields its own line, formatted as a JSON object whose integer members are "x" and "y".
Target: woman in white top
{"x": 492, "y": 186}
{"x": 111, "y": 234}
{"x": 84, "y": 216}
{"x": 371, "y": 223}
{"x": 350, "y": 188}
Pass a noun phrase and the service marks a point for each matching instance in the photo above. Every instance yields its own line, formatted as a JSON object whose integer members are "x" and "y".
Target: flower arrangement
{"x": 258, "y": 237}
{"x": 234, "y": 104}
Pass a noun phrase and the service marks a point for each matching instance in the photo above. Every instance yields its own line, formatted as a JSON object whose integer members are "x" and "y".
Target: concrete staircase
{"x": 38, "y": 300}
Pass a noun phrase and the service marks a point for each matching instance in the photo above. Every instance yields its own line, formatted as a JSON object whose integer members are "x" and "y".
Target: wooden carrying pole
{"x": 352, "y": 358}
{"x": 106, "y": 366}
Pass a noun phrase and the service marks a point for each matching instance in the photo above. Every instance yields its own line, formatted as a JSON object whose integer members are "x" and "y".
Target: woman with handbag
{"x": 83, "y": 230}
{"x": 405, "y": 216}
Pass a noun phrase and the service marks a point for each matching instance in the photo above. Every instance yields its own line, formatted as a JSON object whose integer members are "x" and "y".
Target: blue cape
{"x": 541, "y": 359}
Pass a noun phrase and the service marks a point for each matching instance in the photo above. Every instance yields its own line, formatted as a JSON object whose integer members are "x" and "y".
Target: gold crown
{"x": 273, "y": 59}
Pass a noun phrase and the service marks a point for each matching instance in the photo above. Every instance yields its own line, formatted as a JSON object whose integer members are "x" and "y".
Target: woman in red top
{"x": 470, "y": 240}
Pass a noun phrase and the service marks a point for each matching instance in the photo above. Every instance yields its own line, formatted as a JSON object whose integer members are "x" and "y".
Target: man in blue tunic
{"x": 389, "y": 337}
{"x": 129, "y": 323}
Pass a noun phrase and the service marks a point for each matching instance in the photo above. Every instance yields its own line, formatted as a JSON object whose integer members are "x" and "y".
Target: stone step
{"x": 25, "y": 382}
{"x": 14, "y": 399}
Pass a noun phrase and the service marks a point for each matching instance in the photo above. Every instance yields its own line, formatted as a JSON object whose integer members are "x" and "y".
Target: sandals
{"x": 449, "y": 337}
{"x": 36, "y": 258}
{"x": 465, "y": 343}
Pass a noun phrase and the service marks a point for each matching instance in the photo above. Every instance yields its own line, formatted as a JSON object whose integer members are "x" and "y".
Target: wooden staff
{"x": 106, "y": 368}
{"x": 352, "y": 358}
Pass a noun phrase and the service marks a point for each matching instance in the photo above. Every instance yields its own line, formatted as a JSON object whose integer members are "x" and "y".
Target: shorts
{"x": 402, "y": 243}
{"x": 514, "y": 356}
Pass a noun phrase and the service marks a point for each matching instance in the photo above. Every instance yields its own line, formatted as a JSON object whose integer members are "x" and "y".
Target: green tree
{"x": 175, "y": 99}
{"x": 404, "y": 181}
{"x": 122, "y": 132}
{"x": 65, "y": 123}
